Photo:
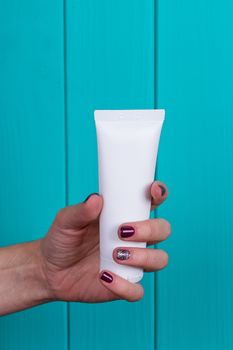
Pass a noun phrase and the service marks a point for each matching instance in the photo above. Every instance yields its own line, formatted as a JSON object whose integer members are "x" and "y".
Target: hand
{"x": 70, "y": 252}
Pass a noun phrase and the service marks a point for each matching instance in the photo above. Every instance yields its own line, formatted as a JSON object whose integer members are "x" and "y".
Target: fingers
{"x": 80, "y": 215}
{"x": 120, "y": 286}
{"x": 159, "y": 193}
{"x": 151, "y": 231}
{"x": 148, "y": 259}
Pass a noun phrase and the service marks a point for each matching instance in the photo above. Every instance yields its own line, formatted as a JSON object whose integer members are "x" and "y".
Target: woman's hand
{"x": 69, "y": 254}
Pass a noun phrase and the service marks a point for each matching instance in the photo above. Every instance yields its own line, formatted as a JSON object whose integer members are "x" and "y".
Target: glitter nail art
{"x": 123, "y": 254}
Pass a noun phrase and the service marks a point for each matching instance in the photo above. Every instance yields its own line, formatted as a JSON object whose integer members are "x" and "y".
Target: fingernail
{"x": 106, "y": 277}
{"x": 123, "y": 254}
{"x": 90, "y": 196}
{"x": 126, "y": 231}
{"x": 163, "y": 190}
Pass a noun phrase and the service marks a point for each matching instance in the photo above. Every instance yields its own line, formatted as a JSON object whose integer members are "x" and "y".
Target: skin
{"x": 64, "y": 265}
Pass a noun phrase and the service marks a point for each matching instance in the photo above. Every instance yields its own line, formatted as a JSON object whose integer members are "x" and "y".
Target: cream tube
{"x": 127, "y": 151}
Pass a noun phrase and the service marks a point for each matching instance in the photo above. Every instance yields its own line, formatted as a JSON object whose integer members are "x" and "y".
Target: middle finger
{"x": 151, "y": 231}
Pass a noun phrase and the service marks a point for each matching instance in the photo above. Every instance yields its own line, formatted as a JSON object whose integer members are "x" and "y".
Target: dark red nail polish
{"x": 163, "y": 190}
{"x": 106, "y": 277}
{"x": 126, "y": 231}
{"x": 90, "y": 196}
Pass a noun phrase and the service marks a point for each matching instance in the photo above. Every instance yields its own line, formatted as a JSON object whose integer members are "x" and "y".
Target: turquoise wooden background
{"x": 194, "y": 305}
{"x": 61, "y": 59}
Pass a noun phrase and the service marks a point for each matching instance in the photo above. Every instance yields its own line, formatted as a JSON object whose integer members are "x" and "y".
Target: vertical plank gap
{"x": 66, "y": 145}
{"x": 156, "y": 173}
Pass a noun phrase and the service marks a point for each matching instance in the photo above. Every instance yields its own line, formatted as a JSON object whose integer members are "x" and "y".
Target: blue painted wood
{"x": 195, "y": 85}
{"x": 110, "y": 64}
{"x": 32, "y": 186}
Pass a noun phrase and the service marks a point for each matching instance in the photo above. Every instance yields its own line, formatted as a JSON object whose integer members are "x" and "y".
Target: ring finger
{"x": 146, "y": 258}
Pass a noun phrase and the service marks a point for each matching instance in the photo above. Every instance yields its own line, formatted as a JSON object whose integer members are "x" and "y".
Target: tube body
{"x": 127, "y": 143}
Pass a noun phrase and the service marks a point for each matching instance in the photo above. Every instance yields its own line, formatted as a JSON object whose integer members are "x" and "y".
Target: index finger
{"x": 159, "y": 193}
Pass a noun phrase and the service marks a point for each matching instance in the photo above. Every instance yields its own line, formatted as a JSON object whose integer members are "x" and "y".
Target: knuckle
{"x": 60, "y": 215}
{"x": 142, "y": 257}
{"x": 128, "y": 293}
{"x": 148, "y": 258}
{"x": 166, "y": 226}
{"x": 150, "y": 229}
{"x": 137, "y": 296}
{"x": 164, "y": 258}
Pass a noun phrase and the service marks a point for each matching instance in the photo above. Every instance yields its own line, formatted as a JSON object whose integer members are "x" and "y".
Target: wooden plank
{"x": 110, "y": 52}
{"x": 194, "y": 80}
{"x": 32, "y": 150}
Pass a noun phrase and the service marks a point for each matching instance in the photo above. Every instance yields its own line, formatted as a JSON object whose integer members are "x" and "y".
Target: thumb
{"x": 80, "y": 215}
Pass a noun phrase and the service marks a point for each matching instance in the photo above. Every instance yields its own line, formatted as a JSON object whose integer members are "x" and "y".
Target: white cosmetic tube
{"x": 127, "y": 151}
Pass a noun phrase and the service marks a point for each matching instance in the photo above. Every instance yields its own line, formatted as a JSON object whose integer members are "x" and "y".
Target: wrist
{"x": 22, "y": 280}
{"x": 44, "y": 291}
